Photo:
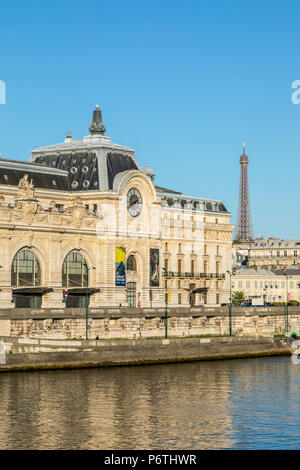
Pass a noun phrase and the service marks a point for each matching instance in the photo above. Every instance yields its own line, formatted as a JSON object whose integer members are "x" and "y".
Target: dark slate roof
{"x": 82, "y": 168}
{"x": 160, "y": 189}
{"x": 91, "y": 162}
{"x": 19, "y": 162}
{"x": 117, "y": 163}
{"x": 288, "y": 272}
{"x": 11, "y": 171}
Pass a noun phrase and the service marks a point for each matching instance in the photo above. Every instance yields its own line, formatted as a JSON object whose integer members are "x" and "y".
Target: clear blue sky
{"x": 183, "y": 83}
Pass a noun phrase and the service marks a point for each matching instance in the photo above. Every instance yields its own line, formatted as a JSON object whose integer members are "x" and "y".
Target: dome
{"x": 91, "y": 162}
{"x": 149, "y": 172}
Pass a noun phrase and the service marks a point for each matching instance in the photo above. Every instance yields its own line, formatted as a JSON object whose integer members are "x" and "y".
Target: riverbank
{"x": 22, "y": 354}
{"x": 137, "y": 323}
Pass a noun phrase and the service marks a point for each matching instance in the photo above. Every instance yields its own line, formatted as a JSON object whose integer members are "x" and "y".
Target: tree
{"x": 238, "y": 297}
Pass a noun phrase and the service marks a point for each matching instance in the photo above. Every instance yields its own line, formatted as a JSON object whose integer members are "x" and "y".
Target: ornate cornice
{"x": 26, "y": 209}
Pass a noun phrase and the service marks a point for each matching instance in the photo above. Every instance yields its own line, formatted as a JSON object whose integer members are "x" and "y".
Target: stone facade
{"x": 274, "y": 252}
{"x": 39, "y": 216}
{"x": 148, "y": 324}
{"x": 264, "y": 285}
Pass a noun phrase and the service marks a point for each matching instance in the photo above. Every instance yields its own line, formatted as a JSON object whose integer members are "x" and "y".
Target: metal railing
{"x": 251, "y": 256}
{"x": 190, "y": 275}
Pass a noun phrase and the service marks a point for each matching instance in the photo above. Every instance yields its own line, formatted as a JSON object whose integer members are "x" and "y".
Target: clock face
{"x": 134, "y": 202}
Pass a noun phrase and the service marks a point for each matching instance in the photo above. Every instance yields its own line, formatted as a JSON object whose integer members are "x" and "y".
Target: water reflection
{"x": 212, "y": 405}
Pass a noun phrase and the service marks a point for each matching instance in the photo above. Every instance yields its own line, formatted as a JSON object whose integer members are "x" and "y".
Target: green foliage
{"x": 291, "y": 302}
{"x": 274, "y": 304}
{"x": 238, "y": 297}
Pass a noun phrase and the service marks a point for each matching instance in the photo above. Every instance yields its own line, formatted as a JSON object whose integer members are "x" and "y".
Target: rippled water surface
{"x": 238, "y": 404}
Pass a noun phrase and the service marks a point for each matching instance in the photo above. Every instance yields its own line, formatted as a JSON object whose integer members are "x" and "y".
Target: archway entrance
{"x": 26, "y": 280}
{"x": 192, "y": 294}
{"x": 131, "y": 294}
{"x": 192, "y": 299}
{"x": 75, "y": 280}
{"x": 74, "y": 300}
{"x": 26, "y": 300}
{"x": 203, "y": 296}
{"x": 132, "y": 280}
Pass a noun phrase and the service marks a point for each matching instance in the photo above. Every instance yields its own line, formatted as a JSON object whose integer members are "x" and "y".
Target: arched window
{"x": 25, "y": 270}
{"x": 74, "y": 272}
{"x": 131, "y": 263}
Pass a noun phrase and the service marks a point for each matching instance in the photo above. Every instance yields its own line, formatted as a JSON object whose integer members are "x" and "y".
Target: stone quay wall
{"x": 129, "y": 323}
{"x": 25, "y": 354}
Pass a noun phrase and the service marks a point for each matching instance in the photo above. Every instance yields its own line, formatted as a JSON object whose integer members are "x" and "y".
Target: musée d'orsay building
{"x": 83, "y": 216}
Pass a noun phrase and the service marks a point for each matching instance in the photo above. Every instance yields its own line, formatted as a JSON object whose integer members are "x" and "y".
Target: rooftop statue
{"x": 25, "y": 184}
{"x": 25, "y": 187}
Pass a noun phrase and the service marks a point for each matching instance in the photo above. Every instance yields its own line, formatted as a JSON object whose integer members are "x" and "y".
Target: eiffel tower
{"x": 244, "y": 228}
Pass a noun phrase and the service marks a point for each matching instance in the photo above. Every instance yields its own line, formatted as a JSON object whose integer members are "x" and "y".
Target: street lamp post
{"x": 87, "y": 299}
{"x": 230, "y": 307}
{"x": 286, "y": 305}
{"x": 166, "y": 299}
{"x": 265, "y": 294}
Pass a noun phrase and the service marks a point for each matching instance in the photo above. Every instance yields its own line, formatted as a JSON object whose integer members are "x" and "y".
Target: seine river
{"x": 236, "y": 404}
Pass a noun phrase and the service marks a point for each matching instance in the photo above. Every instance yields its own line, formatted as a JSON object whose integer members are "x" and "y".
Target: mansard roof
{"x": 274, "y": 243}
{"x": 91, "y": 164}
{"x": 162, "y": 190}
{"x": 11, "y": 171}
{"x": 288, "y": 271}
{"x": 246, "y": 270}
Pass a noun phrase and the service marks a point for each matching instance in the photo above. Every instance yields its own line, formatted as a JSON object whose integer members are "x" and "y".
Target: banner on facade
{"x": 120, "y": 266}
{"x": 154, "y": 267}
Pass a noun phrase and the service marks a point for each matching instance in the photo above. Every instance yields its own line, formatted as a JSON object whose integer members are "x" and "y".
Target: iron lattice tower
{"x": 244, "y": 227}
